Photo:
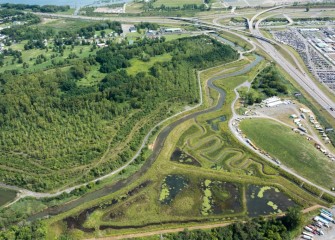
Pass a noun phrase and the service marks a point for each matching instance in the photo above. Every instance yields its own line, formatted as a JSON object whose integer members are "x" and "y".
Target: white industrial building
{"x": 272, "y": 101}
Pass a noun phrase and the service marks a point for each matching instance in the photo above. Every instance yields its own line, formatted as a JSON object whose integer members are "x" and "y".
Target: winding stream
{"x": 159, "y": 144}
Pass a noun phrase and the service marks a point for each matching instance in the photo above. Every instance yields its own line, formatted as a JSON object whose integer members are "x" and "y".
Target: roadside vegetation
{"x": 269, "y": 82}
{"x": 85, "y": 110}
{"x": 191, "y": 185}
{"x": 293, "y": 150}
{"x": 80, "y": 126}
{"x": 259, "y": 228}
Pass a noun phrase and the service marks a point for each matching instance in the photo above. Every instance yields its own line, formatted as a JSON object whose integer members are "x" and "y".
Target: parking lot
{"x": 315, "y": 46}
{"x": 329, "y": 233}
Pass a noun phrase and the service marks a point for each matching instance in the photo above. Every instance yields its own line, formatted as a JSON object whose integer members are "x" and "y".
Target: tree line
{"x": 36, "y": 8}
{"x": 54, "y": 124}
{"x": 256, "y": 229}
{"x": 268, "y": 83}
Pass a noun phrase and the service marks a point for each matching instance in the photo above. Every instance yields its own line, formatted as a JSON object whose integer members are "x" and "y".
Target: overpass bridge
{"x": 216, "y": 27}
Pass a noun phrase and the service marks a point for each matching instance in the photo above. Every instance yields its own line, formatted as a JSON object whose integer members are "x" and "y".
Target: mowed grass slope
{"x": 294, "y": 150}
{"x": 173, "y": 3}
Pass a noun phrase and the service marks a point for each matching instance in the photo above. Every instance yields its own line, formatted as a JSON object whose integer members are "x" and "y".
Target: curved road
{"x": 159, "y": 144}
{"x": 27, "y": 193}
{"x": 243, "y": 141}
{"x": 299, "y": 76}
{"x": 266, "y": 46}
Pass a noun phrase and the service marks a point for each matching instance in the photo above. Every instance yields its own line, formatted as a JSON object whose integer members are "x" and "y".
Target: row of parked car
{"x": 322, "y": 220}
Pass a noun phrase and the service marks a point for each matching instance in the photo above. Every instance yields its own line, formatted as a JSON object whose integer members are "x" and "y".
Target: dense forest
{"x": 10, "y": 15}
{"x": 268, "y": 83}
{"x": 149, "y": 6}
{"x": 54, "y": 130}
{"x": 34, "y": 231}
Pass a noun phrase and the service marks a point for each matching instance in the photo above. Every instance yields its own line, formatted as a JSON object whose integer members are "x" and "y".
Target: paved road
{"x": 243, "y": 141}
{"x": 161, "y": 20}
{"x": 27, "y": 193}
{"x": 303, "y": 80}
{"x": 297, "y": 74}
{"x": 159, "y": 144}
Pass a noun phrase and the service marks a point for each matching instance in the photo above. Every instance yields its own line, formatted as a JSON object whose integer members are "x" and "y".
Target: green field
{"x": 134, "y": 7}
{"x": 172, "y": 3}
{"x": 293, "y": 150}
{"x": 77, "y": 121}
{"x": 62, "y": 24}
{"x": 140, "y": 66}
{"x": 171, "y": 193}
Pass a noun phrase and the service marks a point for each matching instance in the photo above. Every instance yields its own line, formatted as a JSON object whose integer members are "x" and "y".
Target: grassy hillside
{"x": 172, "y": 3}
{"x": 294, "y": 150}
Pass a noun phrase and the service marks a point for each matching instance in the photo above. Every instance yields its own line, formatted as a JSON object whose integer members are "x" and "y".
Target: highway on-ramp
{"x": 297, "y": 74}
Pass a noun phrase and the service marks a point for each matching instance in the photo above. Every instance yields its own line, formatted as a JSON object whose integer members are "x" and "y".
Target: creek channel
{"x": 159, "y": 144}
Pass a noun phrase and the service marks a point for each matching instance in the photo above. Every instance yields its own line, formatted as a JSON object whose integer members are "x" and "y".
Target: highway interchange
{"x": 297, "y": 74}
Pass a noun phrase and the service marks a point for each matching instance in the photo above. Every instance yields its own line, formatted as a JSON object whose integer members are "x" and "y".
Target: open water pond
{"x": 265, "y": 200}
{"x": 182, "y": 157}
{"x": 171, "y": 186}
{"x": 6, "y": 196}
{"x": 221, "y": 198}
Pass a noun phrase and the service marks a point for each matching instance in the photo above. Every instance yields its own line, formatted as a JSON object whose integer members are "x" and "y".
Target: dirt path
{"x": 22, "y": 193}
{"x": 312, "y": 208}
{"x": 175, "y": 230}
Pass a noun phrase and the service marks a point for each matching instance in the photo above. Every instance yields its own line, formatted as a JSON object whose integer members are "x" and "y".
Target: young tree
{"x": 307, "y": 7}
{"x": 292, "y": 218}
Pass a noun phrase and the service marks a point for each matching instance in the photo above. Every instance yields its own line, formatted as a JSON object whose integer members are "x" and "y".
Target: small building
{"x": 133, "y": 29}
{"x": 172, "y": 30}
{"x": 304, "y": 110}
{"x": 102, "y": 45}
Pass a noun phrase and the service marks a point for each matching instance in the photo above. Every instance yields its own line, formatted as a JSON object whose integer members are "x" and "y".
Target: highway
{"x": 161, "y": 20}
{"x": 297, "y": 74}
{"x": 302, "y": 79}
